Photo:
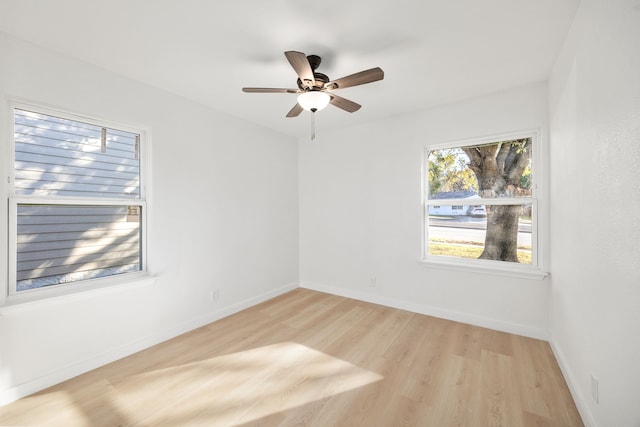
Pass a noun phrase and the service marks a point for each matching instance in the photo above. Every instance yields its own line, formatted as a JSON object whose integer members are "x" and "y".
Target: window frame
{"x": 535, "y": 270}
{"x": 11, "y": 294}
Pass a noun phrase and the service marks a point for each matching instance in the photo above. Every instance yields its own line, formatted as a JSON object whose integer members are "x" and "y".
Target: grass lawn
{"x": 469, "y": 251}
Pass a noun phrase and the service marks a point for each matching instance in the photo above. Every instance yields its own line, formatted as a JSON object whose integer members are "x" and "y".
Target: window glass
{"x": 77, "y": 205}
{"x": 464, "y": 235}
{"x": 479, "y": 202}
{"x": 498, "y": 169}
{"x": 64, "y": 243}
{"x": 62, "y": 157}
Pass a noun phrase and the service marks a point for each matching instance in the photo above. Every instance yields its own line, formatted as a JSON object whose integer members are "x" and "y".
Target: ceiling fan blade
{"x": 300, "y": 64}
{"x": 269, "y": 90}
{"x": 363, "y": 77}
{"x": 295, "y": 111}
{"x": 344, "y": 103}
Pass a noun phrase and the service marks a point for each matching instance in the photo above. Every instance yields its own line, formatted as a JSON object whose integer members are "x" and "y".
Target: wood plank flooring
{"x": 308, "y": 358}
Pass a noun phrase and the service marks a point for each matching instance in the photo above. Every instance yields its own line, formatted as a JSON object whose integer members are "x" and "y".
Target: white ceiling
{"x": 432, "y": 51}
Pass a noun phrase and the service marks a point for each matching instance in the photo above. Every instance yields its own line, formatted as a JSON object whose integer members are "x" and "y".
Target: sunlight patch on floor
{"x": 239, "y": 387}
{"x": 41, "y": 406}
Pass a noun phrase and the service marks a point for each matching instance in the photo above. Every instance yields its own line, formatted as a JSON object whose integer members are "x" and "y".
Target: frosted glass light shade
{"x": 313, "y": 100}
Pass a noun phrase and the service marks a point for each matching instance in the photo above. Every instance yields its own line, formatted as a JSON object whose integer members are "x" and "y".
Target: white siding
{"x": 58, "y": 243}
{"x": 60, "y": 157}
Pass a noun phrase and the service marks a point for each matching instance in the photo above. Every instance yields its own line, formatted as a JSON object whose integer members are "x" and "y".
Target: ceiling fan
{"x": 316, "y": 89}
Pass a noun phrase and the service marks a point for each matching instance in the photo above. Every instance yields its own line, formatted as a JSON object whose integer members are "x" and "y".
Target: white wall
{"x": 595, "y": 210}
{"x": 360, "y": 214}
{"x": 223, "y": 215}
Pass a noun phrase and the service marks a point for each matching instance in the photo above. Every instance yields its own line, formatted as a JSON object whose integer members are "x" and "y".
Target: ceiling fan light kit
{"x": 316, "y": 89}
{"x": 314, "y": 100}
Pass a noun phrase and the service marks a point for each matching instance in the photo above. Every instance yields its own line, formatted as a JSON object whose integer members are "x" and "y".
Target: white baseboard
{"x": 485, "y": 322}
{"x": 78, "y": 368}
{"x": 576, "y": 393}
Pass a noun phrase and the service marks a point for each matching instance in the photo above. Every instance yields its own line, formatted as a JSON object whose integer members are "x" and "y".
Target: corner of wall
{"x": 576, "y": 393}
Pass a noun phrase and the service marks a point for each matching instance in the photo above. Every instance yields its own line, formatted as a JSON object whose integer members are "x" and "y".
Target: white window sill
{"x": 478, "y": 266}
{"x": 33, "y": 300}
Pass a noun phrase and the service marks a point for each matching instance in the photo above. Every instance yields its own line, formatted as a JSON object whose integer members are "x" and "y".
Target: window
{"x": 77, "y": 205}
{"x": 481, "y": 204}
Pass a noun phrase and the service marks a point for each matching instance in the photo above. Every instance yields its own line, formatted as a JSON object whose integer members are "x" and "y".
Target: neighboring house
{"x": 468, "y": 204}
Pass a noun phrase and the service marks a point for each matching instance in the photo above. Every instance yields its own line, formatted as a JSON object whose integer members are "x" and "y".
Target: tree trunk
{"x": 501, "y": 241}
{"x": 498, "y": 168}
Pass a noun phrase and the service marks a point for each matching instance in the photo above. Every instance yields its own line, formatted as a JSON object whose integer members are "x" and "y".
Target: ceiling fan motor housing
{"x": 320, "y": 81}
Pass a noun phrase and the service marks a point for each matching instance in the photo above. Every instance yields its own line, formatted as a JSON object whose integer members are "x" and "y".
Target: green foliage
{"x": 449, "y": 171}
{"x": 527, "y": 179}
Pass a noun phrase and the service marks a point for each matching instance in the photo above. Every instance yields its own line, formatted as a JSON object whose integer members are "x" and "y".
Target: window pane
{"x": 65, "y": 243}
{"x": 61, "y": 157}
{"x": 498, "y": 169}
{"x": 465, "y": 235}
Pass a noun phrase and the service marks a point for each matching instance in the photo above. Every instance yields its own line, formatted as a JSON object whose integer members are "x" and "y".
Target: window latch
{"x": 103, "y": 141}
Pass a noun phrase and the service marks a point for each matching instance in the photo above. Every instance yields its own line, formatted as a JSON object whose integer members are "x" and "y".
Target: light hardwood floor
{"x": 308, "y": 358}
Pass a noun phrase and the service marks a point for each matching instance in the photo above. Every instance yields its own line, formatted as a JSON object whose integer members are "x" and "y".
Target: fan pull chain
{"x": 313, "y": 125}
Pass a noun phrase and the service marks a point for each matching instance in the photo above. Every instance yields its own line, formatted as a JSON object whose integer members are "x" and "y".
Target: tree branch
{"x": 518, "y": 161}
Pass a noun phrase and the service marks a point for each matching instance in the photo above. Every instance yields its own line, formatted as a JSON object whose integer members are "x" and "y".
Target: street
{"x": 468, "y": 229}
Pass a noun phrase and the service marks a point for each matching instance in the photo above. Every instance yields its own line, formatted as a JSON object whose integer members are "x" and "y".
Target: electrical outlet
{"x": 594, "y": 389}
{"x": 374, "y": 282}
